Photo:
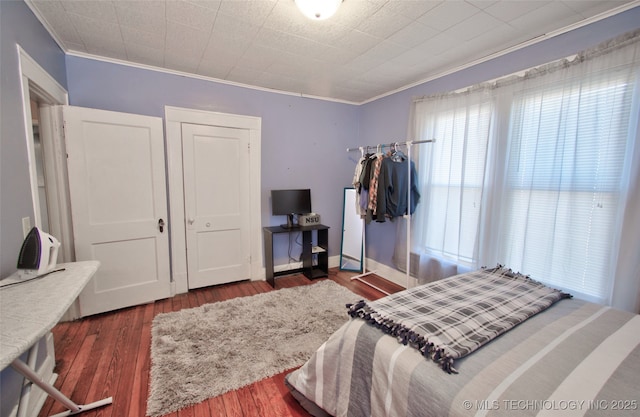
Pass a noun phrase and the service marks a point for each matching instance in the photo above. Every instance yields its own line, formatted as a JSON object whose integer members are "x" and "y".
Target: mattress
{"x": 574, "y": 358}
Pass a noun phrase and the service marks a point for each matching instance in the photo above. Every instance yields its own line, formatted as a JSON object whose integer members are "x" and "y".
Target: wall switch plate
{"x": 26, "y": 226}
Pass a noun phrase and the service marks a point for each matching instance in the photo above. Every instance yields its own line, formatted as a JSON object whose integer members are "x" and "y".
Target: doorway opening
{"x": 40, "y": 164}
{"x": 42, "y": 100}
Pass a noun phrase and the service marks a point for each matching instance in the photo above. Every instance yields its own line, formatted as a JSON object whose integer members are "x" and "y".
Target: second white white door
{"x": 216, "y": 198}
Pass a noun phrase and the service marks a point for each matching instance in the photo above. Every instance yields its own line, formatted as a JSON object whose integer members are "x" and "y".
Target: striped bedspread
{"x": 575, "y": 358}
{"x": 450, "y": 318}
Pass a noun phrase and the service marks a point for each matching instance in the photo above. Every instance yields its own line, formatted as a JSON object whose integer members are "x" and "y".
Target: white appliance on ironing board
{"x": 38, "y": 254}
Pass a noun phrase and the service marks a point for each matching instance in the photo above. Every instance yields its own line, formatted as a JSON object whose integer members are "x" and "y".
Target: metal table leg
{"x": 74, "y": 408}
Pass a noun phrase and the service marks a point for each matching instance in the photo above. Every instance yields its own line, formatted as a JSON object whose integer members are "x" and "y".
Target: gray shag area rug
{"x": 203, "y": 352}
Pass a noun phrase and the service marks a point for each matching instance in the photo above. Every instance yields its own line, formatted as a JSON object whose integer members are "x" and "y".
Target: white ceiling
{"x": 368, "y": 49}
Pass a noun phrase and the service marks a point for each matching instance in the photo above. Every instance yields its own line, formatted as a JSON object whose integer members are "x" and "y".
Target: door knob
{"x": 161, "y": 225}
{"x": 191, "y": 221}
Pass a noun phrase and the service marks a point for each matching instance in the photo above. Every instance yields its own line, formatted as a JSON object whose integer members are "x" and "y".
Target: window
{"x": 455, "y": 181}
{"x": 564, "y": 183}
{"x": 538, "y": 173}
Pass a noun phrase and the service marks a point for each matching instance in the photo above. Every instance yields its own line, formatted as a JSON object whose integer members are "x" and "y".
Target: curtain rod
{"x": 409, "y": 142}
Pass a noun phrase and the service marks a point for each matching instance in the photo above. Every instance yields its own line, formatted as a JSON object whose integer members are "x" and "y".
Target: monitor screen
{"x": 285, "y": 202}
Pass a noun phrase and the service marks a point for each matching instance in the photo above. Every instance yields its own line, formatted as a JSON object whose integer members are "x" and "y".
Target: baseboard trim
{"x": 390, "y": 274}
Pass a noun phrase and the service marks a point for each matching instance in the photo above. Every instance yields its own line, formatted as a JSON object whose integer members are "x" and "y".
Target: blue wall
{"x": 18, "y": 26}
{"x": 303, "y": 140}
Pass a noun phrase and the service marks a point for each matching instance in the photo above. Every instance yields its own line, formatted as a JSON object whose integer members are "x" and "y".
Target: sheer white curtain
{"x": 446, "y": 220}
{"x": 539, "y": 173}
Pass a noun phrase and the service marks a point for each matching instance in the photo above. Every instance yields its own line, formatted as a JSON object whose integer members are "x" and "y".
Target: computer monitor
{"x": 290, "y": 202}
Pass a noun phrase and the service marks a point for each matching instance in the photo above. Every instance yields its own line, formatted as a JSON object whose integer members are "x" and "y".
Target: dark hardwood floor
{"x": 109, "y": 355}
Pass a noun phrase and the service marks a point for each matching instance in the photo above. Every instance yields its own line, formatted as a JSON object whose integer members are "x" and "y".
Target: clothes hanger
{"x": 378, "y": 152}
{"x": 397, "y": 155}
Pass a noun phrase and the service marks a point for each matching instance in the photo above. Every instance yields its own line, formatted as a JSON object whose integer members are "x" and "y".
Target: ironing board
{"x": 29, "y": 310}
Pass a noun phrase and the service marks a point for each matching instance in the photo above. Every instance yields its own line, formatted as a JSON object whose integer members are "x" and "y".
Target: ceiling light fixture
{"x": 318, "y": 9}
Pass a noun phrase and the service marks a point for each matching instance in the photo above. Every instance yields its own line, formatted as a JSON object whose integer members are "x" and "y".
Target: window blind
{"x": 564, "y": 179}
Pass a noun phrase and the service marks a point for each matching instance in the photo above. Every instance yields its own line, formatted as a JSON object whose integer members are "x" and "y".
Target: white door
{"x": 118, "y": 204}
{"x": 216, "y": 198}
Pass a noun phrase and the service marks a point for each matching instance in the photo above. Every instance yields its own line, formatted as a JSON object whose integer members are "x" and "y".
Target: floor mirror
{"x": 352, "y": 237}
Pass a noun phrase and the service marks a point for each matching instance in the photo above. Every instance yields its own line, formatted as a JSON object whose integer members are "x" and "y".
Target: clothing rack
{"x": 407, "y": 216}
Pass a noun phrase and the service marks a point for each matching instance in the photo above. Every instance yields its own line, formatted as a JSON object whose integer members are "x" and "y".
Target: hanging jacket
{"x": 393, "y": 184}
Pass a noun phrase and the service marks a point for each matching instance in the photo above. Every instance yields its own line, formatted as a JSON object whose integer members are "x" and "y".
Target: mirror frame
{"x": 346, "y": 260}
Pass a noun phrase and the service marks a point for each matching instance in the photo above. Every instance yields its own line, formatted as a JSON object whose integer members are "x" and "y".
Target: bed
{"x": 571, "y": 358}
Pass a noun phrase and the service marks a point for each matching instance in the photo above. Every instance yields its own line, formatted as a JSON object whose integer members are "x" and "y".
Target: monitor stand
{"x": 289, "y": 224}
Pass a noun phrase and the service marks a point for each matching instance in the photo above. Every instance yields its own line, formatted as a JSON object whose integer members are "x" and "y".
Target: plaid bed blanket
{"x": 450, "y": 318}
